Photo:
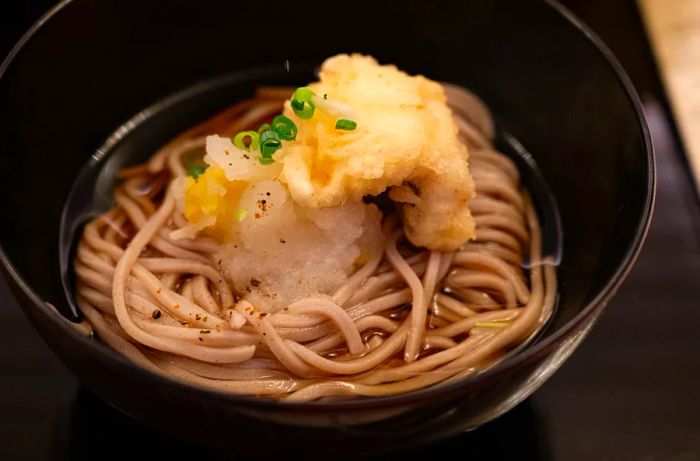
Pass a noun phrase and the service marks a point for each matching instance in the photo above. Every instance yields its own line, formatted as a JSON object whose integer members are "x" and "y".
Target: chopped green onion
{"x": 253, "y": 145}
{"x": 302, "y": 104}
{"x": 345, "y": 124}
{"x": 269, "y": 144}
{"x": 263, "y": 128}
{"x": 196, "y": 170}
{"x": 240, "y": 214}
{"x": 285, "y": 128}
{"x": 492, "y": 324}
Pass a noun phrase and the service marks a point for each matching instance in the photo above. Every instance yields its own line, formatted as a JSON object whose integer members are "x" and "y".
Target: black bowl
{"x": 86, "y": 67}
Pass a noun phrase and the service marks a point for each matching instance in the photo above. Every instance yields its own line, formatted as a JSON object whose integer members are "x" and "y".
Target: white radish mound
{"x": 287, "y": 252}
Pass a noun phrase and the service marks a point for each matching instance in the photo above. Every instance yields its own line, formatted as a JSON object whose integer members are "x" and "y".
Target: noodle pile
{"x": 407, "y": 319}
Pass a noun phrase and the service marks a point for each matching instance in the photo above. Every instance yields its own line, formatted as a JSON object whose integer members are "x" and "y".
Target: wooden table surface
{"x": 674, "y": 28}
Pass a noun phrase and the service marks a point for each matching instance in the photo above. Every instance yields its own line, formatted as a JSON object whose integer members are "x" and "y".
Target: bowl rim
{"x": 547, "y": 342}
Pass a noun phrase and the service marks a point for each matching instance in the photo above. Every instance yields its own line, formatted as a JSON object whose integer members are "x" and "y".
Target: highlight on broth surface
{"x": 356, "y": 237}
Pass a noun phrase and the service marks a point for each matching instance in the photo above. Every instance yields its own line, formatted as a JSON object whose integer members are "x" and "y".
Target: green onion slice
{"x": 302, "y": 104}
{"x": 285, "y": 128}
{"x": 269, "y": 144}
{"x": 240, "y": 214}
{"x": 263, "y": 128}
{"x": 345, "y": 124}
{"x": 253, "y": 144}
{"x": 196, "y": 170}
{"x": 492, "y": 324}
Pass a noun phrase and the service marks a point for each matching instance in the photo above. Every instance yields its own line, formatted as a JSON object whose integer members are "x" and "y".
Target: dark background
{"x": 628, "y": 393}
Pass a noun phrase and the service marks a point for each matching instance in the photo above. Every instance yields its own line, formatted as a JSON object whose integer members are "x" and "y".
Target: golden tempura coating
{"x": 406, "y": 141}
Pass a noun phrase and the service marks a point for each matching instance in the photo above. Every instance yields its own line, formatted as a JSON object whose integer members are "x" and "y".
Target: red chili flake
{"x": 255, "y": 282}
{"x": 156, "y": 314}
{"x": 204, "y": 332}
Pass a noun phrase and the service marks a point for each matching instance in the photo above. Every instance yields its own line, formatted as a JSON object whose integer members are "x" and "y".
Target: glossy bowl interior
{"x": 90, "y": 66}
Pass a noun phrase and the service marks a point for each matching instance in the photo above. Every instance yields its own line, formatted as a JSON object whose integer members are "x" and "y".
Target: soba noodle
{"x": 407, "y": 319}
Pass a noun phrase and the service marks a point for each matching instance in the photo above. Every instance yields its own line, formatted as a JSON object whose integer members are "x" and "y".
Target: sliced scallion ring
{"x": 253, "y": 144}
{"x": 302, "y": 103}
